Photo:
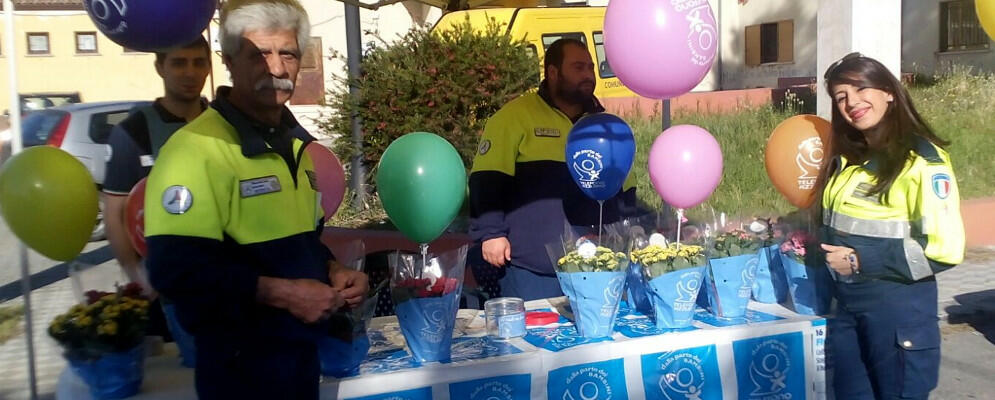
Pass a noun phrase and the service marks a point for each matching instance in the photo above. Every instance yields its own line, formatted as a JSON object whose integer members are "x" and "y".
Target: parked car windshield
{"x": 37, "y": 126}
{"x": 41, "y": 102}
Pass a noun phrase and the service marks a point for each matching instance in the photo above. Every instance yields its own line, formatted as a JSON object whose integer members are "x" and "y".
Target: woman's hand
{"x": 841, "y": 259}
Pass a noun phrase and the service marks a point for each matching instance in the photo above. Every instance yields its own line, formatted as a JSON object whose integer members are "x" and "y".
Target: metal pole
{"x": 16, "y": 145}
{"x": 354, "y": 52}
{"x": 16, "y": 142}
{"x": 666, "y": 114}
{"x": 28, "y": 328}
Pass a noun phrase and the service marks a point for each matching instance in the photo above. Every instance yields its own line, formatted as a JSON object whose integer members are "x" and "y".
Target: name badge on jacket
{"x": 258, "y": 186}
{"x": 547, "y": 132}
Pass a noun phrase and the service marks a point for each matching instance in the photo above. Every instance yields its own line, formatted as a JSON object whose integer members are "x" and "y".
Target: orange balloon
{"x": 794, "y": 156}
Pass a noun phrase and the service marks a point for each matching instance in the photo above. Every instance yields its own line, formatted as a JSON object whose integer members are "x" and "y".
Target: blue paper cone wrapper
{"x": 113, "y": 375}
{"x": 729, "y": 284}
{"x": 636, "y": 290}
{"x": 770, "y": 286}
{"x": 811, "y": 289}
{"x": 673, "y": 296}
{"x": 427, "y": 325}
{"x": 340, "y": 358}
{"x": 594, "y": 299}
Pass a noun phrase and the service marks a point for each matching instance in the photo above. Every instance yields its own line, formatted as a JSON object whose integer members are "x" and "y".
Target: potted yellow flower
{"x": 673, "y": 274}
{"x": 103, "y": 341}
{"x": 593, "y": 278}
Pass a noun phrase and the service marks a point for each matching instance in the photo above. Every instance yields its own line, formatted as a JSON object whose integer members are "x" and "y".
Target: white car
{"x": 81, "y": 130}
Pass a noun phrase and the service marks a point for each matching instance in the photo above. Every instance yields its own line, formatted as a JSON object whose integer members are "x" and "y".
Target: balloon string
{"x": 601, "y": 212}
{"x": 424, "y": 256}
{"x": 680, "y": 218}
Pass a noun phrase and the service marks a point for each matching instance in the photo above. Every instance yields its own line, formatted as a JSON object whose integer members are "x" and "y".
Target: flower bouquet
{"x": 641, "y": 232}
{"x": 426, "y": 291}
{"x": 810, "y": 287}
{"x": 103, "y": 340}
{"x": 769, "y": 286}
{"x": 674, "y": 273}
{"x": 346, "y": 344}
{"x": 592, "y": 277}
{"x": 732, "y": 269}
{"x": 635, "y": 283}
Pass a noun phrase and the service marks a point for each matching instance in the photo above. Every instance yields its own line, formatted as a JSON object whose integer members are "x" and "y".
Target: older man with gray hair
{"x": 233, "y": 221}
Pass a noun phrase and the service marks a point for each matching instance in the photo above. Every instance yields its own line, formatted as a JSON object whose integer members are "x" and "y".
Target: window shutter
{"x": 753, "y": 45}
{"x": 786, "y": 41}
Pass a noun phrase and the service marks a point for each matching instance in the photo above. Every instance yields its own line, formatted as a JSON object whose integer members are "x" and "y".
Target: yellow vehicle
{"x": 541, "y": 26}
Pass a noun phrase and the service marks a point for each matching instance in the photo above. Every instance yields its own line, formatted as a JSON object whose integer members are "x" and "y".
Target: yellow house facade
{"x": 59, "y": 49}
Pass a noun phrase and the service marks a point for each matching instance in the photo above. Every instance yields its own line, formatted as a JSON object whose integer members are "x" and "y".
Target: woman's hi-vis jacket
{"x": 911, "y": 233}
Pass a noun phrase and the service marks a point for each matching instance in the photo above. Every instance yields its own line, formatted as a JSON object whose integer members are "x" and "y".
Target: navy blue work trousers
{"x": 884, "y": 342}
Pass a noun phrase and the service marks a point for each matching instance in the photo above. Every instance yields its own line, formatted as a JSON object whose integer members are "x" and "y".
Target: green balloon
{"x": 421, "y": 181}
{"x": 49, "y": 201}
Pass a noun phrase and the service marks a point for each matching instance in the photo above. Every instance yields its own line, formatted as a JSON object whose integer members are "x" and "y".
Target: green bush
{"x": 448, "y": 83}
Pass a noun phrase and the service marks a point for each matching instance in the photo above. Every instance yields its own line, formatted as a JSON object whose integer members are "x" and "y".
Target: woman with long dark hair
{"x": 892, "y": 220}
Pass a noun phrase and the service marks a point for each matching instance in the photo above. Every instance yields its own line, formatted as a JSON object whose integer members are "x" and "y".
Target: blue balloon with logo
{"x": 599, "y": 154}
{"x": 151, "y": 25}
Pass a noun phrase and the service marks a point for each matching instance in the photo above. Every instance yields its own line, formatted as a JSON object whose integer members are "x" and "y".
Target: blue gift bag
{"x": 811, "y": 288}
{"x": 729, "y": 285}
{"x": 427, "y": 325}
{"x": 113, "y": 375}
{"x": 184, "y": 340}
{"x": 636, "y": 291}
{"x": 594, "y": 299}
{"x": 340, "y": 358}
{"x": 673, "y": 296}
{"x": 770, "y": 286}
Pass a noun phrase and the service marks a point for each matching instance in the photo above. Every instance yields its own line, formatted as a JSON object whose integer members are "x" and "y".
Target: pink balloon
{"x": 685, "y": 165}
{"x": 330, "y": 177}
{"x": 660, "y": 48}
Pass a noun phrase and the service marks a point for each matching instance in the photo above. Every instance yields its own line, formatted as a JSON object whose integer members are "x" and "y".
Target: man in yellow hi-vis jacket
{"x": 233, "y": 220}
{"x": 521, "y": 191}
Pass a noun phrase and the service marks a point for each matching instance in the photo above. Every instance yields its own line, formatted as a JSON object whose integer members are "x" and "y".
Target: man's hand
{"x": 496, "y": 251}
{"x": 307, "y": 299}
{"x": 352, "y": 285}
{"x": 838, "y": 258}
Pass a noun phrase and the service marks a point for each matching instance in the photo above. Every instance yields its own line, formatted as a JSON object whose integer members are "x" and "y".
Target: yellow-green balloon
{"x": 421, "y": 181}
{"x": 986, "y": 14}
{"x": 49, "y": 201}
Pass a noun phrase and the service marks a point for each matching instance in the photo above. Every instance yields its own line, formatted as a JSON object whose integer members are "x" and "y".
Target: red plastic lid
{"x": 541, "y": 317}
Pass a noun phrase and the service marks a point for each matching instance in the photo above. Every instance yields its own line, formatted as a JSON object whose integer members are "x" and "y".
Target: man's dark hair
{"x": 554, "y": 54}
{"x": 160, "y": 56}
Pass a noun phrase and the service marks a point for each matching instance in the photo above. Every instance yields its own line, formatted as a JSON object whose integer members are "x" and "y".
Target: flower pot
{"x": 112, "y": 375}
{"x": 673, "y": 296}
{"x": 594, "y": 299}
{"x": 729, "y": 285}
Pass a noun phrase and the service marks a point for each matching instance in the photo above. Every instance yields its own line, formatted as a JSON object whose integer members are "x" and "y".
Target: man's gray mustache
{"x": 275, "y": 83}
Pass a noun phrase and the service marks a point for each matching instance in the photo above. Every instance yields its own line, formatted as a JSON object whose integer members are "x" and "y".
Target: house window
{"x": 604, "y": 69}
{"x": 38, "y": 43}
{"x": 959, "y": 27}
{"x": 86, "y": 42}
{"x": 770, "y": 43}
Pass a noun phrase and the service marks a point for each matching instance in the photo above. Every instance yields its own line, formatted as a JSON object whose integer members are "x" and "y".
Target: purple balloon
{"x": 151, "y": 25}
{"x": 685, "y": 165}
{"x": 660, "y": 48}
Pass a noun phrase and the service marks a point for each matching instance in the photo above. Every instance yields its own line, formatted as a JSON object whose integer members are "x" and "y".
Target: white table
{"x": 761, "y": 359}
